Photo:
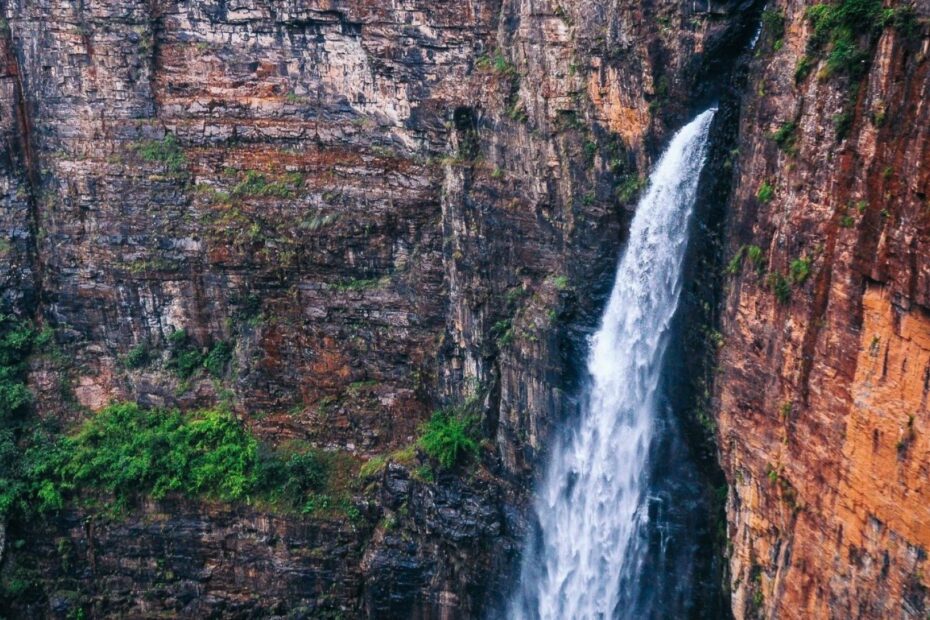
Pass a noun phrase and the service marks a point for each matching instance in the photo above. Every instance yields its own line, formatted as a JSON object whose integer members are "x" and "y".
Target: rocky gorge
{"x": 331, "y": 218}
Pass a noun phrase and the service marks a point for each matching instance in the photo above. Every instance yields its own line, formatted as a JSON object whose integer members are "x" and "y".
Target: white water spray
{"x": 591, "y": 503}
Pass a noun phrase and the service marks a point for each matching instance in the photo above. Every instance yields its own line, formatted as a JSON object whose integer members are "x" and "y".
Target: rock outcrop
{"x": 823, "y": 372}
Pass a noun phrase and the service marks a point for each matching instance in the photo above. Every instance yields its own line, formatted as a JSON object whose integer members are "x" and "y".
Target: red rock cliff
{"x": 823, "y": 378}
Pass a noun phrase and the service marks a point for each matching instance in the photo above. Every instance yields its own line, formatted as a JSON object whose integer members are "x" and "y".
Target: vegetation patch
{"x": 753, "y": 253}
{"x": 773, "y": 22}
{"x": 138, "y": 356}
{"x": 357, "y": 284}
{"x": 18, "y": 338}
{"x": 844, "y": 35}
{"x": 450, "y": 437}
{"x": 629, "y": 188}
{"x": 799, "y": 270}
{"x": 786, "y": 137}
{"x": 766, "y": 192}
{"x": 128, "y": 452}
{"x": 780, "y": 285}
{"x": 187, "y": 358}
{"x": 166, "y": 152}
{"x": 256, "y": 184}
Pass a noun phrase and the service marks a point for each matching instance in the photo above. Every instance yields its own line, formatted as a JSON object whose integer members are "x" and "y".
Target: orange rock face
{"x": 825, "y": 371}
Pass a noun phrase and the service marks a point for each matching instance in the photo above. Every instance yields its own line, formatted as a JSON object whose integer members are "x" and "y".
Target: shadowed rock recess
{"x": 331, "y": 218}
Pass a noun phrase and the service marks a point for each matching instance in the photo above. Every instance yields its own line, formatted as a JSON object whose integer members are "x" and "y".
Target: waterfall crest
{"x": 590, "y": 503}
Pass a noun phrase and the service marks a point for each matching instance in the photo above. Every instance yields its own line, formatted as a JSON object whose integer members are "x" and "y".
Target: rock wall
{"x": 381, "y": 207}
{"x": 823, "y": 372}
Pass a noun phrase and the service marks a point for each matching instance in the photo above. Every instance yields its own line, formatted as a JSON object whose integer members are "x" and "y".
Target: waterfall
{"x": 586, "y": 557}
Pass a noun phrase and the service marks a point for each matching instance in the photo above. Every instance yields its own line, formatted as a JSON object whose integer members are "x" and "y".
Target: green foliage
{"x": 138, "y": 356}
{"x": 127, "y": 451}
{"x": 497, "y": 63}
{"x": 847, "y": 31}
{"x": 560, "y": 282}
{"x": 842, "y": 122}
{"x": 218, "y": 358}
{"x": 629, "y": 188}
{"x": 373, "y": 467}
{"x": 753, "y": 253}
{"x": 17, "y": 340}
{"x": 799, "y": 270}
{"x": 357, "y": 284}
{"x": 773, "y": 22}
{"x": 786, "y": 138}
{"x": 449, "y": 437}
{"x": 766, "y": 192}
{"x": 502, "y": 331}
{"x": 298, "y": 474}
{"x": 803, "y": 68}
{"x": 187, "y": 358}
{"x": 736, "y": 263}
{"x": 256, "y": 184}
{"x": 780, "y": 286}
{"x": 166, "y": 152}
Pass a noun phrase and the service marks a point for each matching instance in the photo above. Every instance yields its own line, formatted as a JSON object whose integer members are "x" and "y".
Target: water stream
{"x": 592, "y": 506}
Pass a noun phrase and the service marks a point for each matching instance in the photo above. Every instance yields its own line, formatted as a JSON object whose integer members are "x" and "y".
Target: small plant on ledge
{"x": 450, "y": 437}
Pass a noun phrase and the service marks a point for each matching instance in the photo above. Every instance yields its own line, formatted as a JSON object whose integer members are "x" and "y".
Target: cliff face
{"x": 379, "y": 209}
{"x": 823, "y": 371}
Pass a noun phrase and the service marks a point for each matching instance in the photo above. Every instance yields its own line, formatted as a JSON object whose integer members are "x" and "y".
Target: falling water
{"x": 587, "y": 557}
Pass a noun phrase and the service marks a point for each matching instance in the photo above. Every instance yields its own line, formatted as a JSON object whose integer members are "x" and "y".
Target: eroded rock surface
{"x": 823, "y": 393}
{"x": 381, "y": 208}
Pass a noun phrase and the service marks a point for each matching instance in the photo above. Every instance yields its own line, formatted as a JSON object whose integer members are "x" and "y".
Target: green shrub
{"x": 502, "y": 331}
{"x": 803, "y": 68}
{"x": 187, "y": 358}
{"x": 629, "y": 188}
{"x": 766, "y": 192}
{"x": 842, "y": 122}
{"x": 449, "y": 437}
{"x": 297, "y": 475}
{"x": 373, "y": 466}
{"x": 774, "y": 23}
{"x": 785, "y": 137}
{"x": 736, "y": 263}
{"x": 138, "y": 356}
{"x": 751, "y": 252}
{"x": 17, "y": 340}
{"x": 799, "y": 270}
{"x": 560, "y": 282}
{"x": 497, "y": 63}
{"x": 256, "y": 184}
{"x": 128, "y": 451}
{"x": 166, "y": 152}
{"x": 780, "y": 286}
{"x": 218, "y": 358}
{"x": 186, "y": 362}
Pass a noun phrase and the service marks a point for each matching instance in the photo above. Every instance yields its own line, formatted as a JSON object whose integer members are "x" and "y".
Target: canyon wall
{"x": 823, "y": 378}
{"x": 386, "y": 208}
{"x": 377, "y": 209}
